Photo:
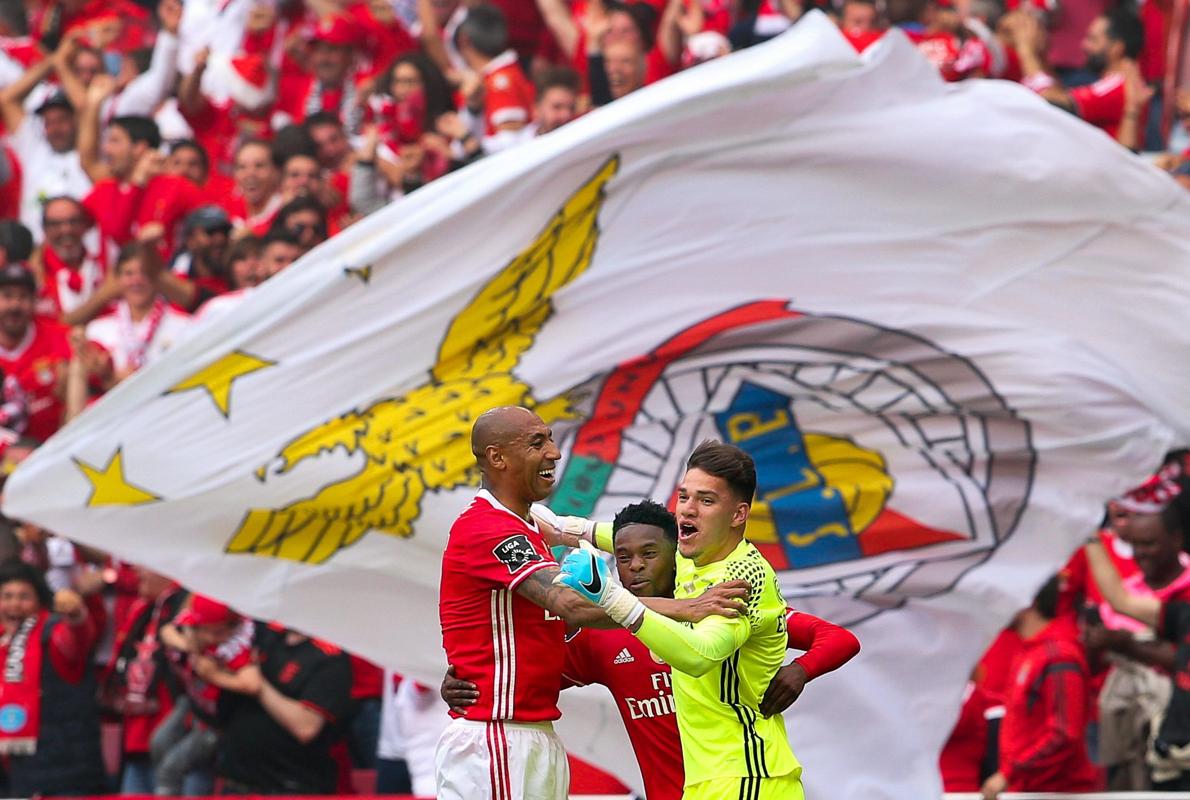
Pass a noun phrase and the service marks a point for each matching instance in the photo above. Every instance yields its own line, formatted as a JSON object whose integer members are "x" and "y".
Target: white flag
{"x": 947, "y": 322}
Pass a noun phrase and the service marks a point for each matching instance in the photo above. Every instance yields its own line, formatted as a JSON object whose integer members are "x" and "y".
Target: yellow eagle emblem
{"x": 420, "y": 440}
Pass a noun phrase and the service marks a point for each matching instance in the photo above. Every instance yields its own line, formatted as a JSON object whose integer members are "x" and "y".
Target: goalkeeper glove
{"x": 585, "y": 571}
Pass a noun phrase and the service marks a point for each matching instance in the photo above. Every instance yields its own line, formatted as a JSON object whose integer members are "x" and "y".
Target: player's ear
{"x": 494, "y": 457}
{"x": 741, "y": 515}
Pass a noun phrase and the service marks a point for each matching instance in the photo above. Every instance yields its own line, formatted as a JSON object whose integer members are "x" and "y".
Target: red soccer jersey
{"x": 640, "y": 684}
{"x": 509, "y": 647}
{"x": 508, "y": 94}
{"x": 121, "y": 210}
{"x": 35, "y": 364}
{"x": 1102, "y": 103}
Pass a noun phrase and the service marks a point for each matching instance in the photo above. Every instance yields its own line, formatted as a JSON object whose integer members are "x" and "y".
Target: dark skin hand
{"x": 784, "y": 689}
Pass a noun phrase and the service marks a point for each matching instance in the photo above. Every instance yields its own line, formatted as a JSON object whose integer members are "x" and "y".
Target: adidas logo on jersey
{"x": 624, "y": 657}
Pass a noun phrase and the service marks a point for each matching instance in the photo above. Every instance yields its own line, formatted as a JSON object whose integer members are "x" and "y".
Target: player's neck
{"x": 511, "y": 501}
{"x": 729, "y": 545}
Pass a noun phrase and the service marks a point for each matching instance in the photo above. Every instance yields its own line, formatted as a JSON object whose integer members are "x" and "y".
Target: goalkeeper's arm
{"x": 692, "y": 650}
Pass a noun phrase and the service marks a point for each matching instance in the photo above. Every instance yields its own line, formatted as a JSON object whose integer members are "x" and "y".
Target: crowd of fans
{"x": 161, "y": 159}
{"x": 1076, "y": 696}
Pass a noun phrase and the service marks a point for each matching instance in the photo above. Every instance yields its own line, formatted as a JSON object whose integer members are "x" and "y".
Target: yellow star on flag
{"x": 217, "y": 378}
{"x": 109, "y": 487}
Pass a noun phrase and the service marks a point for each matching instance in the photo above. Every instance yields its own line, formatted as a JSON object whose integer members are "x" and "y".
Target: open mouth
{"x": 686, "y": 530}
{"x": 546, "y": 475}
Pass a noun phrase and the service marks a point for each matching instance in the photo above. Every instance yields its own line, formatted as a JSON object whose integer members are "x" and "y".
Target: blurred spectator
{"x": 33, "y": 350}
{"x": 135, "y": 684}
{"x": 278, "y": 739}
{"x": 142, "y": 326}
{"x": 243, "y": 263}
{"x": 558, "y": 92}
{"x": 1138, "y": 687}
{"x": 304, "y": 219}
{"x": 205, "y": 238}
{"x": 46, "y": 644}
{"x": 1112, "y": 45}
{"x": 213, "y": 655}
{"x": 502, "y": 99}
{"x": 1042, "y": 745}
{"x": 45, "y": 144}
{"x": 69, "y": 272}
{"x": 363, "y": 730}
{"x": 256, "y": 198}
{"x": 329, "y": 86}
{"x": 133, "y": 196}
{"x": 971, "y": 754}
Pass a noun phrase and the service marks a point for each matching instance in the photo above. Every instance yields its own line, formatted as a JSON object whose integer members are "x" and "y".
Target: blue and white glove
{"x": 585, "y": 571}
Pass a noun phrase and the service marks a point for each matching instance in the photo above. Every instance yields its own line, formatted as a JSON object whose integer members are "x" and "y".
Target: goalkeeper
{"x": 721, "y": 666}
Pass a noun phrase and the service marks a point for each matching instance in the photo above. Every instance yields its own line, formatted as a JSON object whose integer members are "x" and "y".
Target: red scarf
{"x": 67, "y": 287}
{"x": 135, "y": 345}
{"x": 20, "y": 689}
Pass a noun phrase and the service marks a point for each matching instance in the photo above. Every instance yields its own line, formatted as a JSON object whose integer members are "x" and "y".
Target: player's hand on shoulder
{"x": 728, "y": 599}
{"x": 784, "y": 689}
{"x": 458, "y": 693}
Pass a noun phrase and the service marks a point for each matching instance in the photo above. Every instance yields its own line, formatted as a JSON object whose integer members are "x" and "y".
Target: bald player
{"x": 504, "y": 620}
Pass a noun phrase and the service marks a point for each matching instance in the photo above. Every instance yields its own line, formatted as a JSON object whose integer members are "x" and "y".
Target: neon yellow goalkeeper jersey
{"x": 723, "y": 734}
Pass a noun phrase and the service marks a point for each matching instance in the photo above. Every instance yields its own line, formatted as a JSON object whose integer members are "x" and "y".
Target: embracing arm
{"x": 693, "y": 650}
{"x": 538, "y": 587}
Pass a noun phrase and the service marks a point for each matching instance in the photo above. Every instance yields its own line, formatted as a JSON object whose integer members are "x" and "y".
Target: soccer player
{"x": 504, "y": 620}
{"x": 721, "y": 666}
{"x": 645, "y": 538}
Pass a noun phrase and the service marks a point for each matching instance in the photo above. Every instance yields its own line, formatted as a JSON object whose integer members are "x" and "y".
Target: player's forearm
{"x": 828, "y": 646}
{"x": 692, "y": 650}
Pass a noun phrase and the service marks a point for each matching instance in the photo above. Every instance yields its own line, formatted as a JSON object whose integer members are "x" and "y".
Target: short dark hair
{"x": 322, "y": 118}
{"x": 190, "y": 144}
{"x": 253, "y": 142}
{"x": 647, "y": 512}
{"x": 486, "y": 29}
{"x": 296, "y": 205}
{"x": 1045, "y": 602}
{"x": 245, "y": 247}
{"x": 143, "y": 251}
{"x": 293, "y": 140}
{"x": 278, "y": 235}
{"x": 643, "y": 15}
{"x": 20, "y": 571}
{"x": 559, "y": 78}
{"x": 139, "y": 129}
{"x": 1124, "y": 26}
{"x": 16, "y": 240}
{"x": 728, "y": 462}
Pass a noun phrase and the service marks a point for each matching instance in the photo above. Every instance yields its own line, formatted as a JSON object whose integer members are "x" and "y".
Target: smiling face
{"x": 255, "y": 174}
{"x": 645, "y": 560}
{"x": 711, "y": 518}
{"x": 531, "y": 458}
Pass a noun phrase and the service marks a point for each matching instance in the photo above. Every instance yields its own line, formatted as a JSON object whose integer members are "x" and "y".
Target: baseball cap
{"x": 208, "y": 218}
{"x": 18, "y": 275}
{"x": 204, "y": 611}
{"x": 56, "y": 100}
